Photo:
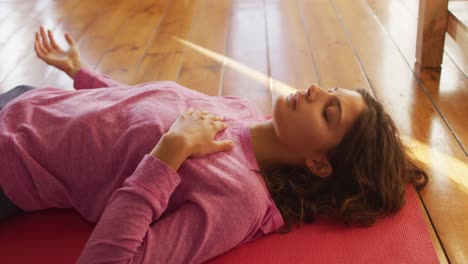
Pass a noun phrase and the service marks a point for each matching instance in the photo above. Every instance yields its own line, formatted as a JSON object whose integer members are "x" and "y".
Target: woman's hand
{"x": 198, "y": 129}
{"x": 47, "y": 50}
{"x": 191, "y": 135}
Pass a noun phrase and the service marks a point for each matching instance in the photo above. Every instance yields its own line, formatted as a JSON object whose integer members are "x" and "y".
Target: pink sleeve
{"x": 128, "y": 232}
{"x": 88, "y": 79}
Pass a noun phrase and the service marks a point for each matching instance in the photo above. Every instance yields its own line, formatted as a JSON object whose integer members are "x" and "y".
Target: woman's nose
{"x": 312, "y": 91}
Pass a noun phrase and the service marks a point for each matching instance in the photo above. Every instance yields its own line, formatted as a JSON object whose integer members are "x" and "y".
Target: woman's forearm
{"x": 73, "y": 67}
{"x": 121, "y": 235}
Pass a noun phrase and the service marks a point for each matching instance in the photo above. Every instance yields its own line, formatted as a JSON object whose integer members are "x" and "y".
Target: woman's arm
{"x": 130, "y": 229}
{"x": 123, "y": 226}
{"x": 88, "y": 79}
{"x": 69, "y": 61}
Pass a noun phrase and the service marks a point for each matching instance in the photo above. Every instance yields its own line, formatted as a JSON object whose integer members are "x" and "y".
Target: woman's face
{"x": 317, "y": 120}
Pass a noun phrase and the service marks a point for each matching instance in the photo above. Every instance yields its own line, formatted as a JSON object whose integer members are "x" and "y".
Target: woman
{"x": 166, "y": 187}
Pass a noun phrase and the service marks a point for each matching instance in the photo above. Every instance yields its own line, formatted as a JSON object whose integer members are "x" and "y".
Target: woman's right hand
{"x": 191, "y": 135}
{"x": 68, "y": 61}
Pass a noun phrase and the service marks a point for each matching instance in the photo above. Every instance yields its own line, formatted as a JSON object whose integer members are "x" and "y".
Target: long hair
{"x": 371, "y": 168}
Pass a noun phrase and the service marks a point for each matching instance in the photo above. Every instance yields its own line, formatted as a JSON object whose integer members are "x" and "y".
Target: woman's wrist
{"x": 172, "y": 150}
{"x": 74, "y": 68}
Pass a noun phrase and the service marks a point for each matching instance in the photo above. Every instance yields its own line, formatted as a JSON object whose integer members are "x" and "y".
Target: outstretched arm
{"x": 68, "y": 61}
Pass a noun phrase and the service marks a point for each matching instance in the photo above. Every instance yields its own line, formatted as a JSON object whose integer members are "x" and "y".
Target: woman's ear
{"x": 320, "y": 166}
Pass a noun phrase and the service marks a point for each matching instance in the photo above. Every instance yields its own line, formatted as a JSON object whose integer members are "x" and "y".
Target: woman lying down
{"x": 171, "y": 175}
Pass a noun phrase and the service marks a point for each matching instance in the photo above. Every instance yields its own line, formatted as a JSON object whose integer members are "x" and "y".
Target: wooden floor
{"x": 251, "y": 47}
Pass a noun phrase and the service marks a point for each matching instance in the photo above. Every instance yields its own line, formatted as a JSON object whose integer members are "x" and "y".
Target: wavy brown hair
{"x": 371, "y": 168}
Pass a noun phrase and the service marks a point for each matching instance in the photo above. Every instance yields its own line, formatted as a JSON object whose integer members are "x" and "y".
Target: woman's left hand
{"x": 198, "y": 129}
{"x": 47, "y": 50}
{"x": 191, "y": 135}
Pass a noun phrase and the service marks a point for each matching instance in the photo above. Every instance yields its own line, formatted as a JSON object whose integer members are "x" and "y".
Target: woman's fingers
{"x": 221, "y": 125}
{"x": 203, "y": 115}
{"x": 45, "y": 41}
{"x": 223, "y": 145}
{"x": 69, "y": 39}
{"x": 38, "y": 52}
{"x": 199, "y": 129}
{"x": 188, "y": 112}
{"x": 217, "y": 118}
{"x": 39, "y": 47}
{"x": 52, "y": 40}
{"x": 200, "y": 113}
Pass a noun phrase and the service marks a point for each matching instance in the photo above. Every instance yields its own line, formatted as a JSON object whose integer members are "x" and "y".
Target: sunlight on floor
{"x": 441, "y": 163}
{"x": 277, "y": 87}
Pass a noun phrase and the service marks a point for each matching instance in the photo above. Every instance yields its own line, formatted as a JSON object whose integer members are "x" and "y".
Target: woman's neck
{"x": 268, "y": 150}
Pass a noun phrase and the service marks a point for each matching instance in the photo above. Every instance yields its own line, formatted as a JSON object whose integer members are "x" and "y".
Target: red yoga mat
{"x": 58, "y": 236}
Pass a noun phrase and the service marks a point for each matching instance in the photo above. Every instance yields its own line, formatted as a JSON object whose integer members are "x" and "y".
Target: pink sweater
{"x": 88, "y": 150}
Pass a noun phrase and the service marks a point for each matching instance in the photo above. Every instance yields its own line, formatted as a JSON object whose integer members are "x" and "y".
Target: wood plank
{"x": 449, "y": 93}
{"x": 457, "y": 54}
{"x": 417, "y": 119}
{"x": 247, "y": 45}
{"x": 134, "y": 38}
{"x": 458, "y": 31}
{"x": 459, "y": 11}
{"x": 7, "y": 9}
{"x": 291, "y": 63}
{"x": 16, "y": 46}
{"x": 412, "y": 6}
{"x": 432, "y": 25}
{"x": 74, "y": 19}
{"x": 11, "y": 22}
{"x": 199, "y": 71}
{"x": 334, "y": 57}
{"x": 163, "y": 58}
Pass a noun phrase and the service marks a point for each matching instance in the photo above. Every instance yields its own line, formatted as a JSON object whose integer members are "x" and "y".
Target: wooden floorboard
{"x": 198, "y": 70}
{"x": 247, "y": 45}
{"x": 7, "y": 9}
{"x": 12, "y": 16}
{"x": 163, "y": 58}
{"x": 249, "y": 48}
{"x": 332, "y": 52}
{"x": 93, "y": 41}
{"x": 449, "y": 93}
{"x": 290, "y": 57}
{"x": 456, "y": 54}
{"x": 133, "y": 37}
{"x": 17, "y": 43}
{"x": 75, "y": 17}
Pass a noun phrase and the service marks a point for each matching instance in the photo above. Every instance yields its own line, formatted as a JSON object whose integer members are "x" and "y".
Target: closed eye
{"x": 334, "y": 102}
{"x": 325, "y": 113}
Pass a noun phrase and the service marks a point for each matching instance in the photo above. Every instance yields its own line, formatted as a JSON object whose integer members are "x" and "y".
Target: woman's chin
{"x": 280, "y": 113}
{"x": 280, "y": 101}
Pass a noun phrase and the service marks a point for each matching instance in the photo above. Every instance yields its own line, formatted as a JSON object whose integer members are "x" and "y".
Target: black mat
{"x": 13, "y": 93}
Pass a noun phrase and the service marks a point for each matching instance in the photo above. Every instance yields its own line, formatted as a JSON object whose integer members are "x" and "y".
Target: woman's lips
{"x": 296, "y": 100}
{"x": 292, "y": 99}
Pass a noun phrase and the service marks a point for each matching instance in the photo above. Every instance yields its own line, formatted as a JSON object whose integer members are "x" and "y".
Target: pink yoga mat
{"x": 57, "y": 236}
